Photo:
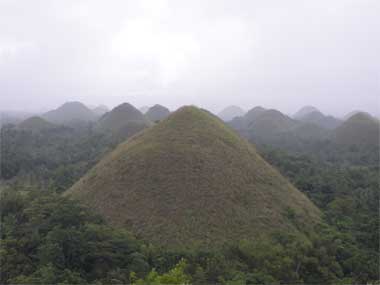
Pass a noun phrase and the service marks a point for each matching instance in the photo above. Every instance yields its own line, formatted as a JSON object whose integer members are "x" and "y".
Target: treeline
{"x": 49, "y": 239}
{"x": 348, "y": 195}
{"x": 57, "y": 157}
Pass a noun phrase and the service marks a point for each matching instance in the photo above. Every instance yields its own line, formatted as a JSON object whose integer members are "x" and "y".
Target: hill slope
{"x": 35, "y": 124}
{"x": 157, "y": 113}
{"x": 70, "y": 112}
{"x": 190, "y": 180}
{"x": 360, "y": 129}
{"x": 319, "y": 119}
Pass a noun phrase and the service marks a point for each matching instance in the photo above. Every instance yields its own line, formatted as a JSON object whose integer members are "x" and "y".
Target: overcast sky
{"x": 274, "y": 53}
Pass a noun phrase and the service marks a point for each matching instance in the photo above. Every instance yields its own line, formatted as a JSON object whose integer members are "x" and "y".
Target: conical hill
{"x": 192, "y": 181}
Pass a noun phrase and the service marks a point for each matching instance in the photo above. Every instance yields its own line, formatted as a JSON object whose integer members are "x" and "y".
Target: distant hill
{"x": 253, "y": 114}
{"x": 271, "y": 128}
{"x": 319, "y": 119}
{"x": 13, "y": 117}
{"x": 35, "y": 124}
{"x": 230, "y": 112}
{"x": 192, "y": 181}
{"x": 144, "y": 109}
{"x": 70, "y": 112}
{"x": 310, "y": 132}
{"x": 100, "y": 110}
{"x": 271, "y": 122}
{"x": 350, "y": 114}
{"x": 242, "y": 122}
{"x": 157, "y": 113}
{"x": 360, "y": 129}
{"x": 304, "y": 111}
{"x": 123, "y": 121}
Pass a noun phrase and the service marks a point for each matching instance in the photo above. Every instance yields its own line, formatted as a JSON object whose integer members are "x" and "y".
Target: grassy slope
{"x": 35, "y": 124}
{"x": 189, "y": 180}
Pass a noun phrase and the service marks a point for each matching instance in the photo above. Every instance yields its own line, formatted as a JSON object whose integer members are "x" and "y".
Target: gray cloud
{"x": 281, "y": 54}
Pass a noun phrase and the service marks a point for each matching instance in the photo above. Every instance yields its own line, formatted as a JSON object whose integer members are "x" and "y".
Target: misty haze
{"x": 189, "y": 142}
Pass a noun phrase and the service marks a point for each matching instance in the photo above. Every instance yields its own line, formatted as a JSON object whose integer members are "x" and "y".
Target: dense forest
{"x": 47, "y": 238}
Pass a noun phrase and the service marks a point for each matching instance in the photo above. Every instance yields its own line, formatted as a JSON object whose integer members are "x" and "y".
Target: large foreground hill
{"x": 191, "y": 180}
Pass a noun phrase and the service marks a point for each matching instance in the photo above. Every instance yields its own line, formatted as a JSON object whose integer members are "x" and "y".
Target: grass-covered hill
{"x": 123, "y": 121}
{"x": 70, "y": 113}
{"x": 157, "y": 113}
{"x": 35, "y": 124}
{"x": 191, "y": 180}
{"x": 360, "y": 129}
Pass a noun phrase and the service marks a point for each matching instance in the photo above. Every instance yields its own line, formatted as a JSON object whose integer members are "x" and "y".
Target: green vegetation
{"x": 349, "y": 196}
{"x": 47, "y": 238}
{"x": 192, "y": 181}
{"x": 56, "y": 156}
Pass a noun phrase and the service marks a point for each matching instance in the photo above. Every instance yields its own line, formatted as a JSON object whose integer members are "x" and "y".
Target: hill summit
{"x": 230, "y": 112}
{"x": 321, "y": 120}
{"x": 190, "y": 180}
{"x": 304, "y": 111}
{"x": 70, "y": 112}
{"x": 360, "y": 129}
{"x": 157, "y": 113}
{"x": 35, "y": 124}
{"x": 123, "y": 121}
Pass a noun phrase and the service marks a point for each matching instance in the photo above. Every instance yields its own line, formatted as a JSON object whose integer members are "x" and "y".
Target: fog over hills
{"x": 212, "y": 54}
